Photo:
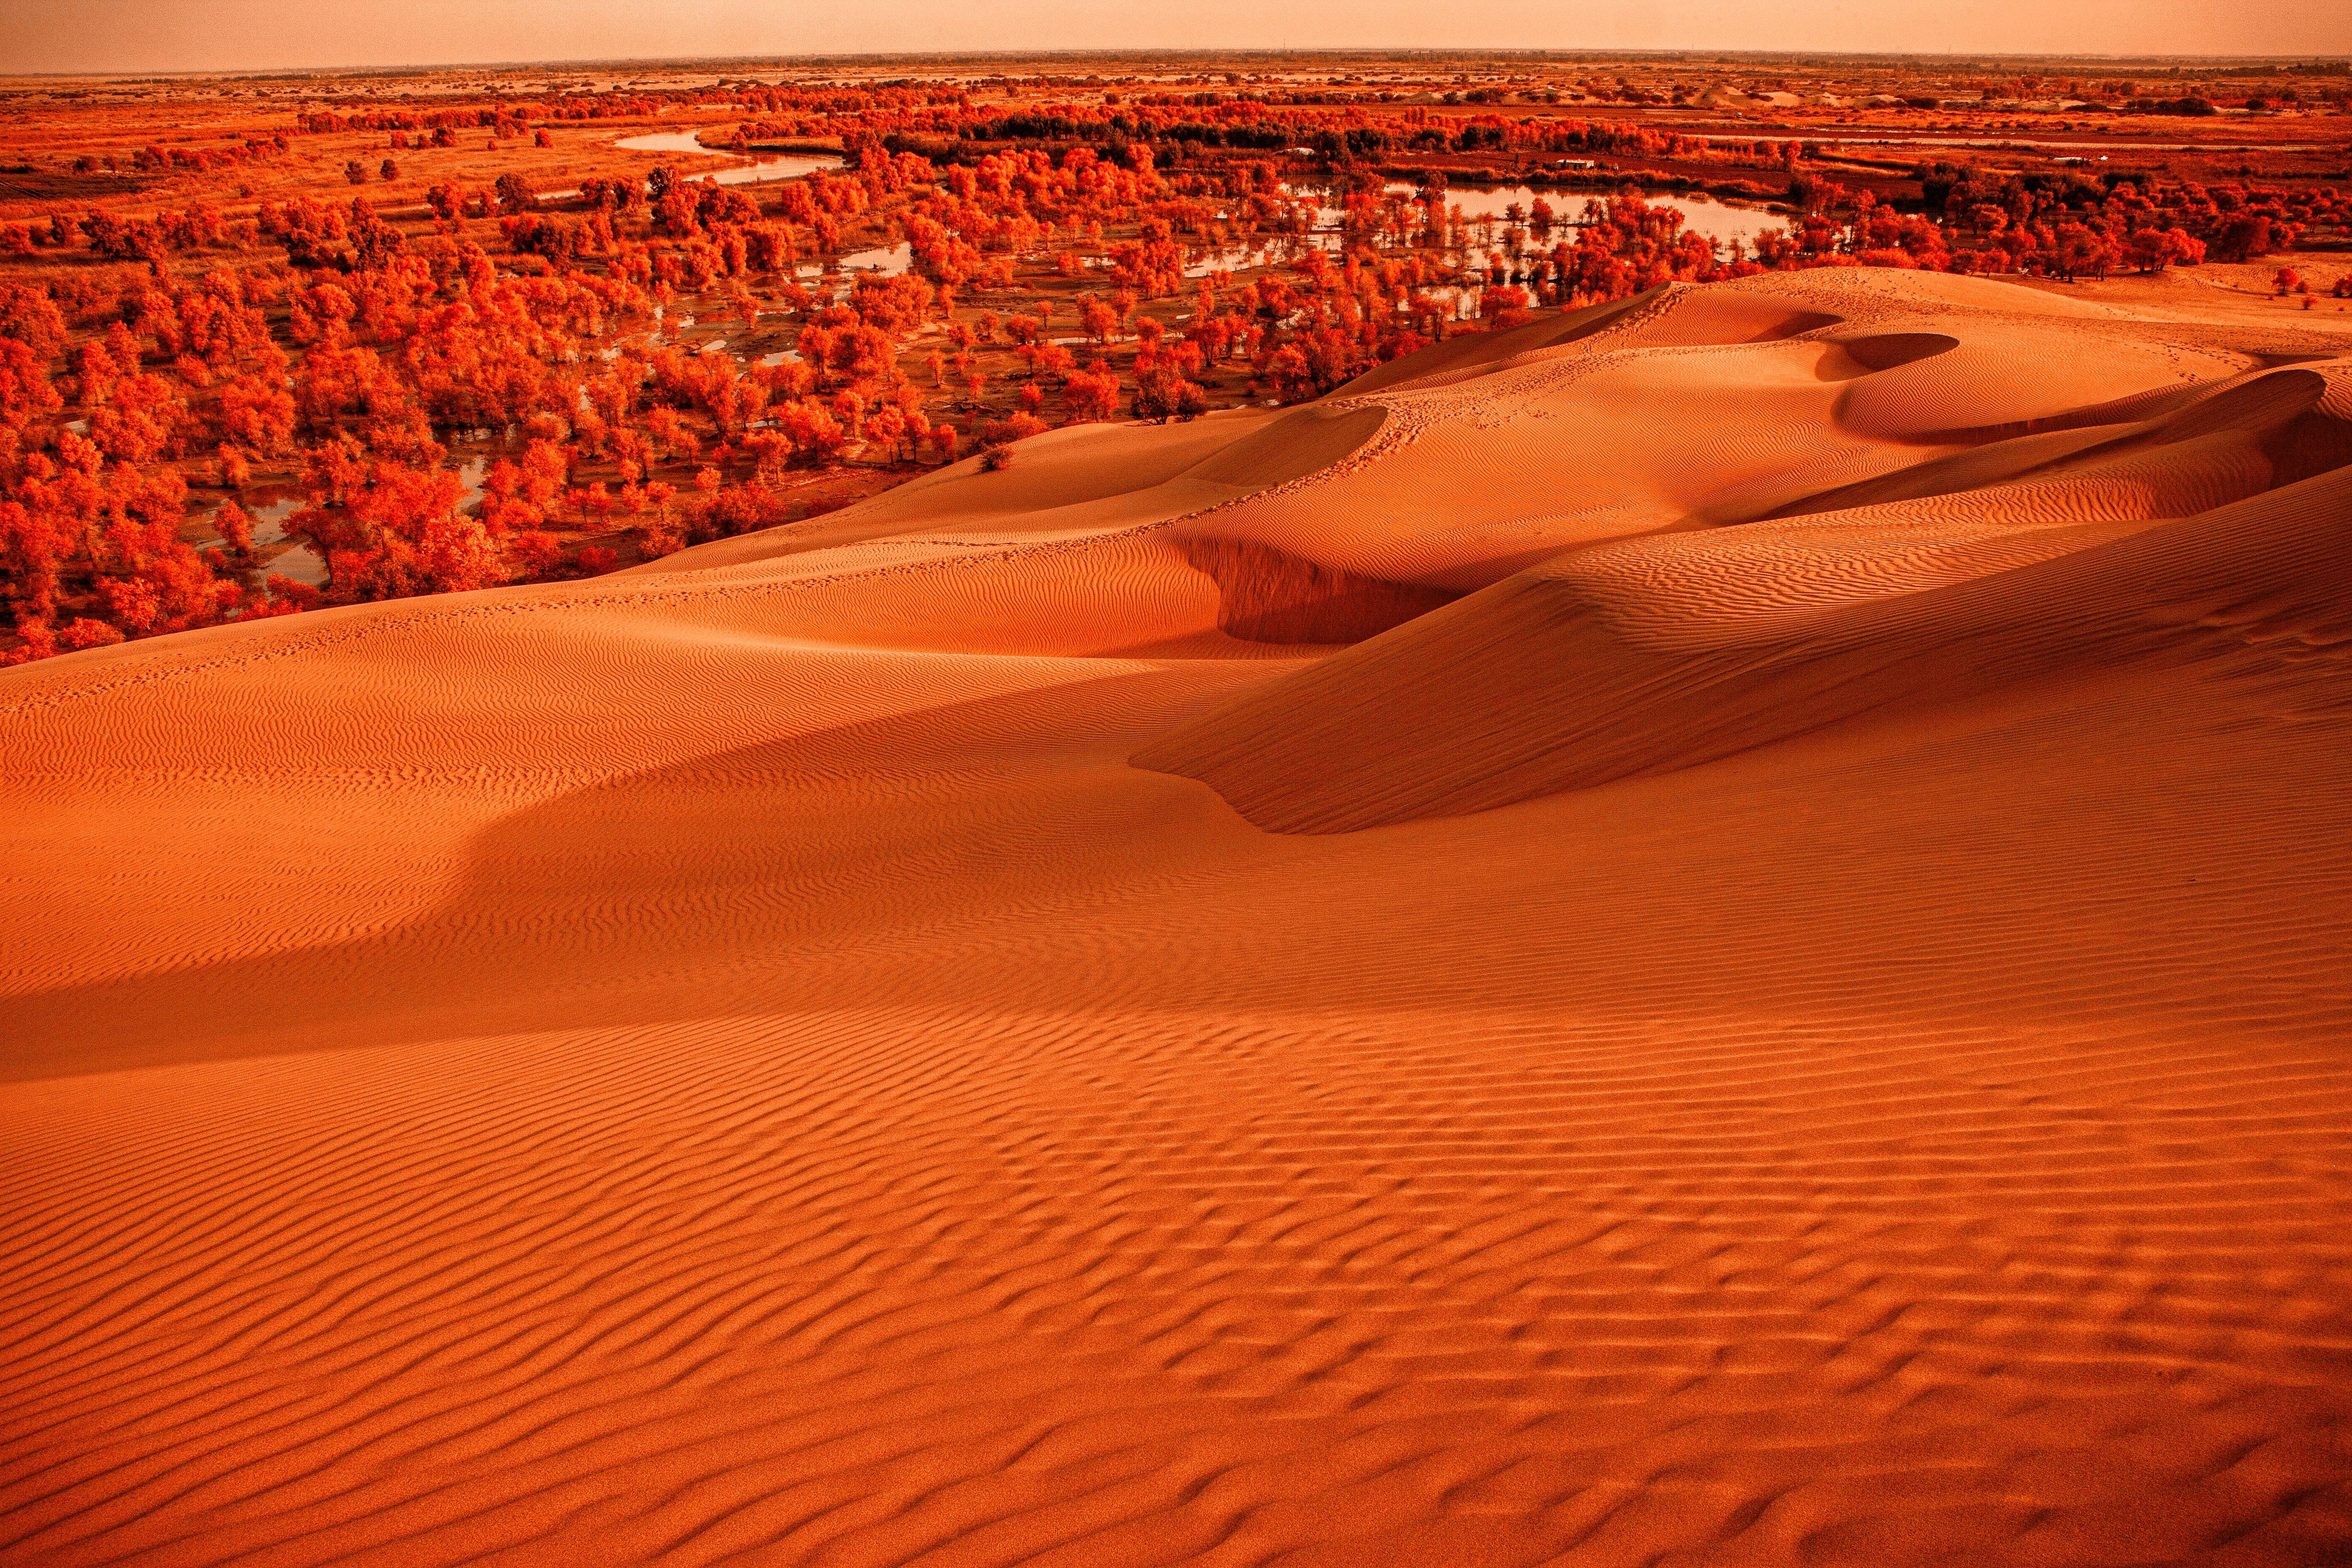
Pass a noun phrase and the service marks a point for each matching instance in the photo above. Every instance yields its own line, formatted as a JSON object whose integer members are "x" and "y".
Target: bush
{"x": 83, "y": 633}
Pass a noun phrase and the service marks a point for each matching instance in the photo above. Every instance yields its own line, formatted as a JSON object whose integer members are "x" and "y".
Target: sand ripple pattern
{"x": 1797, "y": 1021}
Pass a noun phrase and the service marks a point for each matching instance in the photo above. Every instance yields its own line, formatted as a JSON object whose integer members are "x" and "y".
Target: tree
{"x": 1161, "y": 394}
{"x": 2080, "y": 251}
{"x": 120, "y": 239}
{"x": 1092, "y": 393}
{"x": 2244, "y": 237}
{"x": 887, "y": 427}
{"x": 83, "y": 633}
{"x": 514, "y": 195}
{"x": 1010, "y": 428}
{"x": 28, "y": 315}
{"x": 1051, "y": 359}
{"x": 235, "y": 527}
{"x": 2154, "y": 249}
{"x": 535, "y": 553}
{"x": 1098, "y": 319}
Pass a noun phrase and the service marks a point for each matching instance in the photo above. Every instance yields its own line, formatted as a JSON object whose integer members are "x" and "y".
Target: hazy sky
{"x": 234, "y": 35}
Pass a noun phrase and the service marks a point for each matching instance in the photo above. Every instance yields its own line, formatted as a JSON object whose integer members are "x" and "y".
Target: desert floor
{"x": 1706, "y": 933}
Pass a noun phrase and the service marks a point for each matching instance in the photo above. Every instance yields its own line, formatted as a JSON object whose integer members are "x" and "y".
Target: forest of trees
{"x": 349, "y": 350}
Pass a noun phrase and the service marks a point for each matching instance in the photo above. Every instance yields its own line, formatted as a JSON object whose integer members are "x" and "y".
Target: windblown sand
{"x": 1710, "y": 933}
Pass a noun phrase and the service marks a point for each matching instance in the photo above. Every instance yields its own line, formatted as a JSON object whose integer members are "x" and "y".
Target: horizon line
{"x": 1323, "y": 51}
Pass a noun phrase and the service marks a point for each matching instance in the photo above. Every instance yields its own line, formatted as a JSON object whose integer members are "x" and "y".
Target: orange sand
{"x": 1789, "y": 1004}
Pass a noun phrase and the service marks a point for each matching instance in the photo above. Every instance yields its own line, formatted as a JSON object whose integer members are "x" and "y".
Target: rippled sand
{"x": 1707, "y": 933}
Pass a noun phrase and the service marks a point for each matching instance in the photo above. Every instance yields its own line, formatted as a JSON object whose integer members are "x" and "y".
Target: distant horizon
{"x": 207, "y": 37}
{"x": 829, "y": 57}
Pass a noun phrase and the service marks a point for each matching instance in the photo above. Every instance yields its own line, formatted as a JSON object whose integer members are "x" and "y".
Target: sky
{"x": 135, "y": 35}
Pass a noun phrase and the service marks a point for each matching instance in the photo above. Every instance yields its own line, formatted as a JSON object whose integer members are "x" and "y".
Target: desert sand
{"x": 1708, "y": 931}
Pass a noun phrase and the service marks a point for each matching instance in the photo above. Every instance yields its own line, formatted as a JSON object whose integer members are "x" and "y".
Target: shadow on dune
{"x": 1270, "y": 595}
{"x": 1886, "y": 351}
{"x": 2275, "y": 413}
{"x": 788, "y": 849}
{"x": 1533, "y": 688}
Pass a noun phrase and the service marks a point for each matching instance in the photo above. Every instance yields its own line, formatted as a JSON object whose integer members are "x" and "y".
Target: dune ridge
{"x": 1710, "y": 933}
{"x": 1684, "y": 648}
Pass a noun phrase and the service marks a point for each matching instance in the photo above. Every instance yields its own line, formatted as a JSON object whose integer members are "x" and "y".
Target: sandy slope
{"x": 1711, "y": 933}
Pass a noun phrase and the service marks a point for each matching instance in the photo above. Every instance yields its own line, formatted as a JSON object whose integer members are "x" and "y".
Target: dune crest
{"x": 1651, "y": 654}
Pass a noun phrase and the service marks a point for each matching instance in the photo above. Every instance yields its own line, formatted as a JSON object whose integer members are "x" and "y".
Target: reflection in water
{"x": 302, "y": 564}
{"x": 790, "y": 167}
{"x": 469, "y": 474}
{"x": 889, "y": 260}
{"x": 1486, "y": 246}
{"x": 662, "y": 141}
{"x": 293, "y": 558}
{"x": 279, "y": 554}
{"x": 1720, "y": 221}
{"x": 269, "y": 521}
{"x": 1272, "y": 252}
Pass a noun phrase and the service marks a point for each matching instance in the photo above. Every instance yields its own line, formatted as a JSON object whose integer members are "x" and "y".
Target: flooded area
{"x": 1720, "y": 221}
{"x": 296, "y": 558}
{"x": 1269, "y": 253}
{"x": 784, "y": 166}
{"x": 275, "y": 551}
{"x": 889, "y": 260}
{"x": 469, "y": 474}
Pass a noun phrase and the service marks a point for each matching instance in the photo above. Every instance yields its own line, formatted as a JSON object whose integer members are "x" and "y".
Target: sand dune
{"x": 1710, "y": 933}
